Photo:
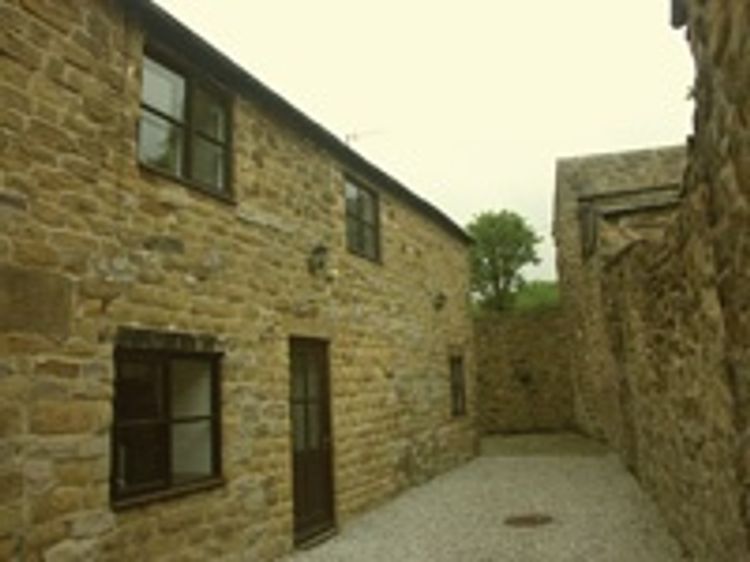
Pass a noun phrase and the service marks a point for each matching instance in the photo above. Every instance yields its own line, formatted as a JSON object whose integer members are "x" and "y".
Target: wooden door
{"x": 311, "y": 439}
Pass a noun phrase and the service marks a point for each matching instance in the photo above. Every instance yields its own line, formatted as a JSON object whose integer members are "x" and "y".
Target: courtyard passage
{"x": 556, "y": 498}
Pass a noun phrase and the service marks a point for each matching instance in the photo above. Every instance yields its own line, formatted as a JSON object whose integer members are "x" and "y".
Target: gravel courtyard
{"x": 597, "y": 511}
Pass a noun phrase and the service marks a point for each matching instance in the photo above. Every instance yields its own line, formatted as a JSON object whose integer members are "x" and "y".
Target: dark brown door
{"x": 311, "y": 439}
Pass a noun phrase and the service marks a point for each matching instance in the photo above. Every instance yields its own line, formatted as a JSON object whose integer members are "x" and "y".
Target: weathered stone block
{"x": 38, "y": 476}
{"x": 18, "y": 48}
{"x": 14, "y": 201}
{"x": 10, "y": 420}
{"x": 92, "y": 523}
{"x": 59, "y": 15}
{"x": 8, "y": 546}
{"x": 11, "y": 486}
{"x": 11, "y": 518}
{"x": 165, "y": 244}
{"x": 50, "y": 136}
{"x": 55, "y": 503}
{"x": 35, "y": 302}
{"x": 57, "y": 368}
{"x": 70, "y": 551}
{"x": 61, "y": 417}
{"x": 35, "y": 254}
{"x": 11, "y": 120}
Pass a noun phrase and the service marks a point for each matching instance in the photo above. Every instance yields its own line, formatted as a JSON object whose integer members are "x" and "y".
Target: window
{"x": 362, "y": 221}
{"x": 458, "y": 386}
{"x": 183, "y": 130}
{"x": 166, "y": 430}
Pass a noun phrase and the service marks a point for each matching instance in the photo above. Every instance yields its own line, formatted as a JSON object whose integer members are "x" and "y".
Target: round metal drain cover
{"x": 528, "y": 520}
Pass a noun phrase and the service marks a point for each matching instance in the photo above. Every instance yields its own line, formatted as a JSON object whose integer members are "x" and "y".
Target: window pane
{"x": 192, "y": 456}
{"x": 163, "y": 89}
{"x": 313, "y": 379}
{"x": 354, "y": 235}
{"x": 160, "y": 143}
{"x": 137, "y": 391}
{"x": 190, "y": 381}
{"x": 370, "y": 241}
{"x": 313, "y": 427}
{"x": 298, "y": 427}
{"x": 368, "y": 206}
{"x": 209, "y": 115}
{"x": 141, "y": 458}
{"x": 208, "y": 163}
{"x": 352, "y": 199}
{"x": 298, "y": 381}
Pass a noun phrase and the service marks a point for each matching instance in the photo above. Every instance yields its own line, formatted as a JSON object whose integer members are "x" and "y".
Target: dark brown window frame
{"x": 362, "y": 223}
{"x": 162, "y": 357}
{"x": 194, "y": 79}
{"x": 458, "y": 385}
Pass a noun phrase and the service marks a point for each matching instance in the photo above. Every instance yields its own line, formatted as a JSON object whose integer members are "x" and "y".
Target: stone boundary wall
{"x": 590, "y": 233}
{"x": 523, "y": 372}
{"x": 671, "y": 315}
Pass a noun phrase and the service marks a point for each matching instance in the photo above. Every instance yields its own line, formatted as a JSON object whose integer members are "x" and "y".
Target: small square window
{"x": 362, "y": 221}
{"x": 458, "y": 386}
{"x": 166, "y": 432}
{"x": 184, "y": 128}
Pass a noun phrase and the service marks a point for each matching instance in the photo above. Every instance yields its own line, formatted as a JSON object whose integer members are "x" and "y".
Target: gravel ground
{"x": 598, "y": 512}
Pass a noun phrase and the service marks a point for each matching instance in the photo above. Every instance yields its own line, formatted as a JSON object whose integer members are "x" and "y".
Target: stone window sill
{"x": 227, "y": 198}
{"x": 168, "y": 494}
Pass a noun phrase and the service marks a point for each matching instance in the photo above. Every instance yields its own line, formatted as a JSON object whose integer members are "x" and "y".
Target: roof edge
{"x": 630, "y": 152}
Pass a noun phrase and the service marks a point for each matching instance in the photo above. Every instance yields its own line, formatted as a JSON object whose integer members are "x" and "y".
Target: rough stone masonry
{"x": 92, "y": 243}
{"x": 662, "y": 308}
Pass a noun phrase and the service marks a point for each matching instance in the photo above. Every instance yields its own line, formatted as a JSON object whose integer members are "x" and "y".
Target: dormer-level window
{"x": 184, "y": 128}
{"x": 362, "y": 221}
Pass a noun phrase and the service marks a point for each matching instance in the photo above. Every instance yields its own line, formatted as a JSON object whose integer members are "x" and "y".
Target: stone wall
{"x": 523, "y": 375}
{"x": 90, "y": 242}
{"x": 669, "y": 314}
{"x": 604, "y": 204}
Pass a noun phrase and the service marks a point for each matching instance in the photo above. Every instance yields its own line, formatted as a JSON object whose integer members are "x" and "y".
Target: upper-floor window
{"x": 167, "y": 430}
{"x": 184, "y": 128}
{"x": 458, "y": 386}
{"x": 362, "y": 221}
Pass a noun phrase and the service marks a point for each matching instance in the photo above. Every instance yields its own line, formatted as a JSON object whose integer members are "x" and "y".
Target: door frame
{"x": 323, "y": 344}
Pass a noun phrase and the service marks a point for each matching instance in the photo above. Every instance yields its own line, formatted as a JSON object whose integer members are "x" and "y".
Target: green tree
{"x": 537, "y": 295}
{"x": 503, "y": 244}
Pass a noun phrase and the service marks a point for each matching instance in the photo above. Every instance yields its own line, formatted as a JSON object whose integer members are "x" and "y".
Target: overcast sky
{"x": 468, "y": 102}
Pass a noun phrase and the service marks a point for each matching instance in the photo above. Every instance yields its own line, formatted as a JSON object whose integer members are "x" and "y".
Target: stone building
{"x": 222, "y": 331}
{"x": 661, "y": 316}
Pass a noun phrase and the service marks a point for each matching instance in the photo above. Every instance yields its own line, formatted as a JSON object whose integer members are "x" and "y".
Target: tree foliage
{"x": 503, "y": 244}
{"x": 537, "y": 295}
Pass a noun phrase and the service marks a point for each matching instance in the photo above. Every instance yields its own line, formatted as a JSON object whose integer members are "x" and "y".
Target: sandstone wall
{"x": 651, "y": 377}
{"x": 669, "y": 314}
{"x": 719, "y": 183}
{"x": 90, "y": 242}
{"x": 587, "y": 234}
{"x": 523, "y": 372}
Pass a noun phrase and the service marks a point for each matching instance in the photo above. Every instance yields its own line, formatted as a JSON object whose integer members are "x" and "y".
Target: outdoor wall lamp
{"x": 317, "y": 261}
{"x": 439, "y": 300}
